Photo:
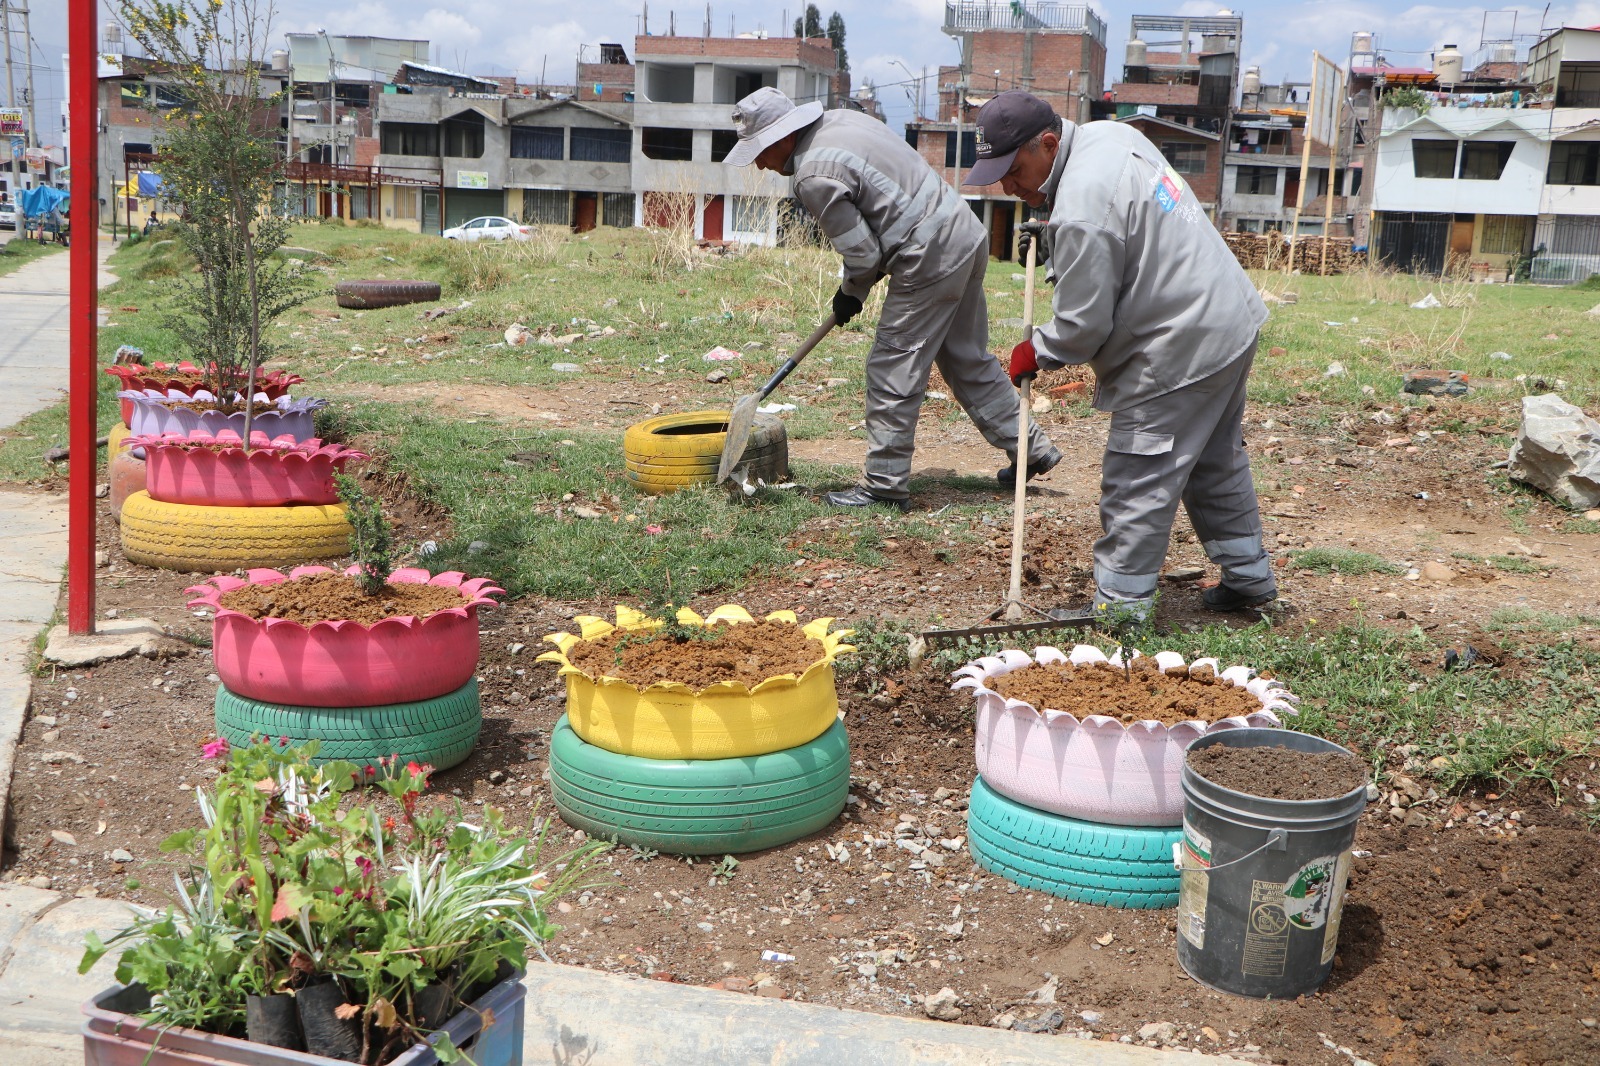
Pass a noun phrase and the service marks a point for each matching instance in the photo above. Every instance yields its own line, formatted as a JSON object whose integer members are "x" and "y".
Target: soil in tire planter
{"x": 1279, "y": 773}
{"x": 1144, "y": 693}
{"x": 200, "y": 407}
{"x": 337, "y": 597}
{"x": 747, "y": 652}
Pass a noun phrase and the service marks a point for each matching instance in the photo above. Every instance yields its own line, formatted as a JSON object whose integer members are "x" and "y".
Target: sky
{"x": 883, "y": 37}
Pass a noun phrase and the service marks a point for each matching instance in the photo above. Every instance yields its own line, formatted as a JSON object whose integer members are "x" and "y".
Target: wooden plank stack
{"x": 1268, "y": 251}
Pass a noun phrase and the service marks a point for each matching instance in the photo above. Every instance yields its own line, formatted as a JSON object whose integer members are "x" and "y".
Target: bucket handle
{"x": 1277, "y": 840}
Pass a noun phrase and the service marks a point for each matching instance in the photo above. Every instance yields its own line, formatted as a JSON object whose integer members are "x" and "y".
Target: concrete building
{"x": 1055, "y": 51}
{"x": 1262, "y": 163}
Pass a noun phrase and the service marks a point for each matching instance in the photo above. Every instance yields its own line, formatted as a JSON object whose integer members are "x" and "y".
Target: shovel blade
{"x": 740, "y": 421}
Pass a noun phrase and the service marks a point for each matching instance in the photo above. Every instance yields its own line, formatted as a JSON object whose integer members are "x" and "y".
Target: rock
{"x": 942, "y": 1005}
{"x": 39, "y": 881}
{"x": 1412, "y": 790}
{"x": 102, "y": 490}
{"x": 1183, "y": 573}
{"x": 941, "y": 794}
{"x": 1090, "y": 1017}
{"x": 50, "y": 736}
{"x": 565, "y": 368}
{"x": 1592, "y": 515}
{"x": 1045, "y": 993}
{"x": 1161, "y": 1032}
{"x": 1558, "y": 451}
{"x": 477, "y": 547}
{"x": 1048, "y": 1022}
{"x": 121, "y": 855}
{"x": 61, "y": 836}
{"x": 717, "y": 377}
{"x": 1335, "y": 370}
{"x": 1433, "y": 383}
{"x": 87, "y": 892}
{"x": 1432, "y": 570}
{"x": 771, "y": 990}
{"x": 56, "y": 758}
{"x": 497, "y": 777}
{"x": 1041, "y": 404}
{"x": 1003, "y": 1021}
{"x": 517, "y": 334}
{"x": 705, "y": 927}
{"x": 867, "y": 970}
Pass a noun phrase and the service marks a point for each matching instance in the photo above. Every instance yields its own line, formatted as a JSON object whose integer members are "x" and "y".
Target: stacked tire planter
{"x": 400, "y": 688}
{"x": 1088, "y": 809}
{"x": 209, "y": 505}
{"x": 723, "y": 770}
{"x": 672, "y": 452}
{"x": 125, "y": 467}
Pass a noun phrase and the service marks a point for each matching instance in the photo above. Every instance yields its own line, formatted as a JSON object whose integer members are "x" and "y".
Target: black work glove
{"x": 1030, "y": 232}
{"x": 845, "y": 307}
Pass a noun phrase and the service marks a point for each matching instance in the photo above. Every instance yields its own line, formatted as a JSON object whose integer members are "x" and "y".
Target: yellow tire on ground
{"x": 181, "y": 536}
{"x": 671, "y": 452}
{"x": 114, "y": 439}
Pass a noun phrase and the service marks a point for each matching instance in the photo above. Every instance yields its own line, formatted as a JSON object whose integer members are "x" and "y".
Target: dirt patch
{"x": 1279, "y": 773}
{"x": 336, "y": 597}
{"x": 1142, "y": 693}
{"x": 746, "y": 652}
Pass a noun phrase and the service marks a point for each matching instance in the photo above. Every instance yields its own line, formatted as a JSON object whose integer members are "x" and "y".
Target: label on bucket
{"x": 1330, "y": 936}
{"x": 1196, "y": 847}
{"x": 1194, "y": 885}
{"x": 1266, "y": 937}
{"x": 1308, "y": 895}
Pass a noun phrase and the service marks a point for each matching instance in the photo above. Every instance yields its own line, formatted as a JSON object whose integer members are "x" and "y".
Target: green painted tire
{"x": 1106, "y": 865}
{"x": 700, "y": 806}
{"x": 440, "y": 731}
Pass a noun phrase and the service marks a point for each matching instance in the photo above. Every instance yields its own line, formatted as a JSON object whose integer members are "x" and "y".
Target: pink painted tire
{"x": 216, "y": 471}
{"x": 183, "y": 376}
{"x": 1096, "y": 769}
{"x": 345, "y": 664}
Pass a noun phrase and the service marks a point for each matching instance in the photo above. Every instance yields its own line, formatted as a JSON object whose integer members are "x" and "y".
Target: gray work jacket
{"x": 1147, "y": 293}
{"x": 881, "y": 205}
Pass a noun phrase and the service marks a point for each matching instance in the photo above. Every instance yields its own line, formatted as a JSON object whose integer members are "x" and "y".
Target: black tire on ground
{"x": 366, "y": 295}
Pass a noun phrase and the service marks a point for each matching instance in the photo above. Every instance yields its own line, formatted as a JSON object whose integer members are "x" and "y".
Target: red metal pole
{"x": 82, "y": 392}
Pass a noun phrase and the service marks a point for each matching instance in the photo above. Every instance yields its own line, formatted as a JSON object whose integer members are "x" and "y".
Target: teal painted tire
{"x": 440, "y": 731}
{"x": 1106, "y": 865}
{"x": 700, "y": 806}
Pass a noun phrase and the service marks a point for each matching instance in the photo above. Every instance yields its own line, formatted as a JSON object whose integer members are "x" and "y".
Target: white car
{"x": 488, "y": 228}
{"x": 8, "y": 216}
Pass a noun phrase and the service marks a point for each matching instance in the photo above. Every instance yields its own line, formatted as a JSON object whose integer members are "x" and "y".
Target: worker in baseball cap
{"x": 886, "y": 211}
{"x": 1149, "y": 296}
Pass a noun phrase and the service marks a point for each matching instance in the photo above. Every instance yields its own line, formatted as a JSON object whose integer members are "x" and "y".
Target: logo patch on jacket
{"x": 1169, "y": 189}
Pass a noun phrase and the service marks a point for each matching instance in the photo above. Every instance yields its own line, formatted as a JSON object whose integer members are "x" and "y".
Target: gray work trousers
{"x": 945, "y": 324}
{"x": 1187, "y": 445}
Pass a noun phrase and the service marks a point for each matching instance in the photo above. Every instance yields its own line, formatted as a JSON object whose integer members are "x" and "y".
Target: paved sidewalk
{"x": 33, "y": 346}
{"x": 573, "y": 1015}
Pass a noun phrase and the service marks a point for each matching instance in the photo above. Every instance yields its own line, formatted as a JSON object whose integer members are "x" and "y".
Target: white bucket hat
{"x": 765, "y": 117}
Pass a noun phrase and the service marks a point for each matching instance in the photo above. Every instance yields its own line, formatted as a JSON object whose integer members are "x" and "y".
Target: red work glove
{"x": 1024, "y": 362}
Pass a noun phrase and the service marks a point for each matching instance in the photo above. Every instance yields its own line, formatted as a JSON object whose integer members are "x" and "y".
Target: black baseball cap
{"x": 1005, "y": 124}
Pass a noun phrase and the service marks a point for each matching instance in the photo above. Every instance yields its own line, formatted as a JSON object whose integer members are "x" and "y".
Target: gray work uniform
{"x": 1149, "y": 295}
{"x": 886, "y": 212}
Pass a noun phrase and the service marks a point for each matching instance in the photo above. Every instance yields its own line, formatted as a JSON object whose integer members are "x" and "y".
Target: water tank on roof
{"x": 1361, "y": 43}
{"x": 1137, "y": 53}
{"x": 111, "y": 34}
{"x": 280, "y": 59}
{"x": 1504, "y": 52}
{"x": 1447, "y": 65}
{"x": 1252, "y": 80}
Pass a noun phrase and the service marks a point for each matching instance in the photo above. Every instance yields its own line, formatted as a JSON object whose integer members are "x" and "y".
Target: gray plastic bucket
{"x": 1263, "y": 880}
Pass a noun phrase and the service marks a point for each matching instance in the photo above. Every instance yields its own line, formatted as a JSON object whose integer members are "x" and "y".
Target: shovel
{"x": 743, "y": 415}
{"x": 1013, "y": 611}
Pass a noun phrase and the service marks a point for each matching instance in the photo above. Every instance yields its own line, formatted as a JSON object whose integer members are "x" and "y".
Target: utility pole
{"x": 27, "y": 58}
{"x": 11, "y": 89}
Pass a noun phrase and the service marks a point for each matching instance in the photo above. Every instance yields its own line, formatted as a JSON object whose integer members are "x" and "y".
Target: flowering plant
{"x": 406, "y": 907}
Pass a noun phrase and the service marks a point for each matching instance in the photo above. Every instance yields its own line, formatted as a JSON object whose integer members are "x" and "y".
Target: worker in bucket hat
{"x": 888, "y": 214}
{"x": 1149, "y": 296}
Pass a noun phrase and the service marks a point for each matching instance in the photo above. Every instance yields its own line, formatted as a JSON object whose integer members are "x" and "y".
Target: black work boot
{"x": 1222, "y": 598}
{"x": 861, "y": 497}
{"x": 1007, "y": 476}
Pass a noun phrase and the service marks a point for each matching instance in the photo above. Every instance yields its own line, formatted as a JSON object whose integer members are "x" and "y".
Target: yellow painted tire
{"x": 181, "y": 536}
{"x": 669, "y": 452}
{"x": 114, "y": 439}
{"x": 727, "y": 721}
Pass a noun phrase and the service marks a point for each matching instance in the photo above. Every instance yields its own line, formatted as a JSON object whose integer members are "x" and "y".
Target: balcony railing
{"x": 965, "y": 16}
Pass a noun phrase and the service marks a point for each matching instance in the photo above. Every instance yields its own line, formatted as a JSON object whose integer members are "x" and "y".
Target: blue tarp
{"x": 150, "y": 183}
{"x": 41, "y": 200}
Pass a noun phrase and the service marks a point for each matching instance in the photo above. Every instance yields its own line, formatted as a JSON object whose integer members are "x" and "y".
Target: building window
{"x": 661, "y": 142}
{"x": 133, "y": 148}
{"x": 405, "y": 203}
{"x": 408, "y": 138}
{"x": 1185, "y": 158}
{"x": 753, "y": 214}
{"x": 722, "y": 142}
{"x": 462, "y": 137}
{"x": 616, "y": 209}
{"x": 1256, "y": 181}
{"x": 1503, "y": 234}
{"x": 601, "y": 146}
{"x": 1484, "y": 160}
{"x": 1433, "y": 159}
{"x": 969, "y": 149}
{"x": 538, "y": 142}
{"x": 1575, "y": 163}
{"x": 547, "y": 207}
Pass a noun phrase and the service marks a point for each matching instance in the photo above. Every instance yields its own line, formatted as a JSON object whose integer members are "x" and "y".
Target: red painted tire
{"x": 366, "y": 295}
{"x": 185, "y": 377}
{"x": 127, "y": 474}
{"x": 345, "y": 664}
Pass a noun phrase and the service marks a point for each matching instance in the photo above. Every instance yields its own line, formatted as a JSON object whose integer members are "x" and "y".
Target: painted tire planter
{"x": 439, "y": 731}
{"x": 1096, "y": 768}
{"x": 126, "y": 473}
{"x": 672, "y": 452}
{"x": 1103, "y": 865}
{"x": 343, "y": 663}
{"x": 185, "y": 377}
{"x": 216, "y": 471}
{"x": 153, "y": 414}
{"x": 668, "y": 720}
{"x": 700, "y": 807}
{"x": 181, "y": 536}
